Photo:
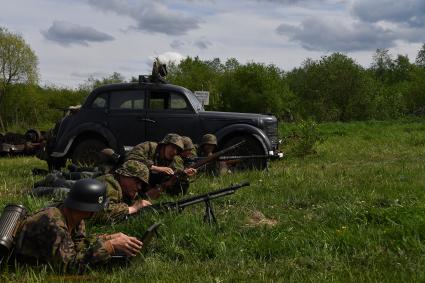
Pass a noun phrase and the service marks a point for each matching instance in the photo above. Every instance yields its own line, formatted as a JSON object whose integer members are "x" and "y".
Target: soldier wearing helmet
{"x": 122, "y": 187}
{"x": 56, "y": 235}
{"x": 189, "y": 153}
{"x": 161, "y": 158}
{"x": 207, "y": 147}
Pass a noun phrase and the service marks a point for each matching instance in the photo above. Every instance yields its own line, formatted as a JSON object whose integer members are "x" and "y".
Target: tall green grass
{"x": 355, "y": 211}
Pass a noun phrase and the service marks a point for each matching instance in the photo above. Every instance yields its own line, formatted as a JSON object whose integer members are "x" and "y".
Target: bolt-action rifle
{"x": 201, "y": 162}
{"x": 237, "y": 157}
{"x": 206, "y": 198}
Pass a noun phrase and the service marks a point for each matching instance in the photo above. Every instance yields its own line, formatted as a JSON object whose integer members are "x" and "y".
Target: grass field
{"x": 355, "y": 211}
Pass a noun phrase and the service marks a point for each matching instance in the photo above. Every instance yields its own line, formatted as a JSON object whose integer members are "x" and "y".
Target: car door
{"x": 170, "y": 112}
{"x": 127, "y": 116}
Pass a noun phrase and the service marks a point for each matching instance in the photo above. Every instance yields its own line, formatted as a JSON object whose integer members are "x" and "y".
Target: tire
{"x": 251, "y": 147}
{"x": 87, "y": 152}
{"x": 33, "y": 136}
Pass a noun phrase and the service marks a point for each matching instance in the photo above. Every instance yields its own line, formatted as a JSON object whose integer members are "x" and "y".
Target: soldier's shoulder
{"x": 105, "y": 177}
{"x": 146, "y": 144}
{"x": 108, "y": 179}
{"x": 50, "y": 215}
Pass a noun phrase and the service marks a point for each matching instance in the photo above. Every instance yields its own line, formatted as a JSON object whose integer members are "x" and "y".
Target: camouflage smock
{"x": 148, "y": 154}
{"x": 117, "y": 208}
{"x": 44, "y": 237}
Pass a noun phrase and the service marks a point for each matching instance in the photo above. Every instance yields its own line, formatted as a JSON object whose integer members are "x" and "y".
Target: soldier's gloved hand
{"x": 138, "y": 205}
{"x": 190, "y": 171}
{"x": 123, "y": 244}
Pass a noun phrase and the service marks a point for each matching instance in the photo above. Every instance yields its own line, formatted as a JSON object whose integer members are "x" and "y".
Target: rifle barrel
{"x": 216, "y": 155}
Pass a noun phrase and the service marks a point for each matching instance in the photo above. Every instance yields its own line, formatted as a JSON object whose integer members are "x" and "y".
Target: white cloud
{"x": 150, "y": 16}
{"x": 406, "y": 12}
{"x": 169, "y": 57}
{"x": 66, "y": 33}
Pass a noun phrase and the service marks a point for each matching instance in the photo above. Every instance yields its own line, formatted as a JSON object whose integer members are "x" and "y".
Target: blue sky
{"x": 97, "y": 38}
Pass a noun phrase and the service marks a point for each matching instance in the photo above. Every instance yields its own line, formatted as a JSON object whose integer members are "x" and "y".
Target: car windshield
{"x": 194, "y": 101}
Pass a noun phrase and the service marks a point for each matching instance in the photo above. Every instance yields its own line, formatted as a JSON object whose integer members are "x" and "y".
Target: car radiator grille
{"x": 271, "y": 131}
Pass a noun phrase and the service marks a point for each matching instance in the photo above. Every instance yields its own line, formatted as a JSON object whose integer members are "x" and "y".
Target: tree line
{"x": 332, "y": 88}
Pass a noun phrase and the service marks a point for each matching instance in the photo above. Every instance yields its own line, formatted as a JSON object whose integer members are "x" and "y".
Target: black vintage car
{"x": 122, "y": 115}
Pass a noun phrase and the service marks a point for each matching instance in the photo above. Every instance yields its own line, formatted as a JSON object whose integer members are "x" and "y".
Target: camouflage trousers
{"x": 57, "y": 193}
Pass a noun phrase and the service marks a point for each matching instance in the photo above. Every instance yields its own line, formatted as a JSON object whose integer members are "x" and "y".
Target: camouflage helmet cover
{"x": 209, "y": 139}
{"x": 173, "y": 139}
{"x": 188, "y": 144}
{"x": 136, "y": 169}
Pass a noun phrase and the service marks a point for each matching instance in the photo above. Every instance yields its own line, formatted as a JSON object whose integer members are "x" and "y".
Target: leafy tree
{"x": 93, "y": 82}
{"x": 196, "y": 74}
{"x": 18, "y": 63}
{"x": 382, "y": 63}
{"x": 332, "y": 89}
{"x": 420, "y": 58}
{"x": 401, "y": 69}
{"x": 255, "y": 87}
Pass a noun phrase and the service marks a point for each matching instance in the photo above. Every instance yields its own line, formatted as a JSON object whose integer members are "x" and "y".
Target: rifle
{"x": 206, "y": 198}
{"x": 216, "y": 155}
{"x": 237, "y": 157}
{"x": 168, "y": 183}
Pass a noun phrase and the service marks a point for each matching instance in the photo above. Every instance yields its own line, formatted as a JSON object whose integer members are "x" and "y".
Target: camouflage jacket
{"x": 44, "y": 237}
{"x": 148, "y": 154}
{"x": 117, "y": 208}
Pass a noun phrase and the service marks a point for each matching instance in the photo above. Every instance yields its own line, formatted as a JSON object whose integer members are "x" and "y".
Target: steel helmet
{"x": 87, "y": 195}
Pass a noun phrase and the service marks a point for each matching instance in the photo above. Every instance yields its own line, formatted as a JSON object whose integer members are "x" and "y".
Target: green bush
{"x": 35, "y": 107}
{"x": 303, "y": 139}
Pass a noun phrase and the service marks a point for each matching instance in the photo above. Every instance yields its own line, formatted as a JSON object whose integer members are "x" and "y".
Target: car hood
{"x": 236, "y": 116}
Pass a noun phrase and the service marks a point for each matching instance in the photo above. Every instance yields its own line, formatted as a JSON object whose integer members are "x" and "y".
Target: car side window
{"x": 177, "y": 101}
{"x": 166, "y": 101}
{"x": 127, "y": 100}
{"x": 158, "y": 101}
{"x": 100, "y": 101}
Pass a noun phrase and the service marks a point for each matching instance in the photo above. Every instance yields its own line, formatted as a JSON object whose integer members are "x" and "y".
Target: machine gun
{"x": 206, "y": 198}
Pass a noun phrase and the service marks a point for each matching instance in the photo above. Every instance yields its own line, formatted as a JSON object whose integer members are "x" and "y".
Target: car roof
{"x": 129, "y": 86}
{"x": 137, "y": 85}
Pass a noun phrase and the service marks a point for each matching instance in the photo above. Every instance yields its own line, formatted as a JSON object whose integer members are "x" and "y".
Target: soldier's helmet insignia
{"x": 100, "y": 199}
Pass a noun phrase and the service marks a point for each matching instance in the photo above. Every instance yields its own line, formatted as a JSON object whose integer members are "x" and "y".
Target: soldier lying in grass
{"x": 56, "y": 235}
{"x": 123, "y": 186}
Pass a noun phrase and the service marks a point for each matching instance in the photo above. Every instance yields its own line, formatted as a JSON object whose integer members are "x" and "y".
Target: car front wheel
{"x": 87, "y": 152}
{"x": 250, "y": 147}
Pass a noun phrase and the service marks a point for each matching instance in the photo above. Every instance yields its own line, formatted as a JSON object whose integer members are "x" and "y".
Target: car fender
{"x": 64, "y": 143}
{"x": 237, "y": 129}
